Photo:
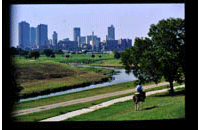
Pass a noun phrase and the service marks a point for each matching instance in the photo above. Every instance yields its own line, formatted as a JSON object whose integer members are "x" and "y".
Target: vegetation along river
{"x": 118, "y": 77}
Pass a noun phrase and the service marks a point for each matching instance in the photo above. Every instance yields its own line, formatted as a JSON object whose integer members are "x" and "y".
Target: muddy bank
{"x": 48, "y": 91}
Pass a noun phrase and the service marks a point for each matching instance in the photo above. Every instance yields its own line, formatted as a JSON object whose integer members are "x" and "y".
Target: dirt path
{"x": 82, "y": 100}
{"x": 95, "y": 107}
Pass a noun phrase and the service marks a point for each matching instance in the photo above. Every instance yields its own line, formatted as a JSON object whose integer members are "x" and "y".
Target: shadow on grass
{"x": 179, "y": 93}
{"x": 149, "y": 108}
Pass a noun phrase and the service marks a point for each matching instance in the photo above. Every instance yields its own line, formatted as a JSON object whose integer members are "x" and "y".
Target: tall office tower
{"x": 111, "y": 33}
{"x": 55, "y": 39}
{"x": 77, "y": 33}
{"x": 41, "y": 36}
{"x": 92, "y": 41}
{"x": 33, "y": 37}
{"x": 24, "y": 36}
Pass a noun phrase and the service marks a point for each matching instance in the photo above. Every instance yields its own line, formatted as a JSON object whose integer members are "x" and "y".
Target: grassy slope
{"x": 159, "y": 106}
{"x": 38, "y": 75}
{"x": 61, "y": 110}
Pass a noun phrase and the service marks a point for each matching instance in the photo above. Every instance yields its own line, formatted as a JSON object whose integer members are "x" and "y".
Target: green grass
{"x": 61, "y": 110}
{"x": 38, "y": 75}
{"x": 105, "y": 60}
{"x": 75, "y": 58}
{"x": 110, "y": 62}
{"x": 159, "y": 106}
{"x": 76, "y": 95}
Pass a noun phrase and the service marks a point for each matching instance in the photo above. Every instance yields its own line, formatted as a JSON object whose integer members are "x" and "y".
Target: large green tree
{"x": 163, "y": 54}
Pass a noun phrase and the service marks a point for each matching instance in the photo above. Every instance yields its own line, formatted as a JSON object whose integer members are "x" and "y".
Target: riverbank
{"x": 44, "y": 77}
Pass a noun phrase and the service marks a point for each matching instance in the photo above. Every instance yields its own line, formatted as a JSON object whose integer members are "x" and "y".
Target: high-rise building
{"x": 33, "y": 37}
{"x": 94, "y": 41}
{"x": 111, "y": 33}
{"x": 24, "y": 35}
{"x": 55, "y": 38}
{"x": 77, "y": 34}
{"x": 41, "y": 36}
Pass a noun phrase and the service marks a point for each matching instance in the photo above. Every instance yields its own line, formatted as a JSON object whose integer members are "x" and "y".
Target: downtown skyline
{"x": 129, "y": 20}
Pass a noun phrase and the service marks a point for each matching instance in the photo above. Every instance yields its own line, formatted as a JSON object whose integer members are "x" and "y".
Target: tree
{"x": 59, "y": 51}
{"x": 13, "y": 89}
{"x": 160, "y": 55}
{"x": 116, "y": 54}
{"x": 34, "y": 54}
{"x": 14, "y": 51}
{"x": 48, "y": 52}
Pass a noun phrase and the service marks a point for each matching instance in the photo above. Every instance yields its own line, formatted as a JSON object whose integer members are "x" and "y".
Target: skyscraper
{"x": 55, "y": 38}
{"x": 24, "y": 35}
{"x": 33, "y": 37}
{"x": 41, "y": 37}
{"x": 111, "y": 33}
{"x": 77, "y": 34}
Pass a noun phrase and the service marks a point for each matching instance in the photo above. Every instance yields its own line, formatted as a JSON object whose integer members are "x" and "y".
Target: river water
{"x": 119, "y": 77}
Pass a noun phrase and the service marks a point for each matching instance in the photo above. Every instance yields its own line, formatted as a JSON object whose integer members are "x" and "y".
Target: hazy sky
{"x": 129, "y": 20}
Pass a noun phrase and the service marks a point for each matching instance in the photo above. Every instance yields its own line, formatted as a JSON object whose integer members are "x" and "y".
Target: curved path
{"x": 82, "y": 100}
{"x": 95, "y": 107}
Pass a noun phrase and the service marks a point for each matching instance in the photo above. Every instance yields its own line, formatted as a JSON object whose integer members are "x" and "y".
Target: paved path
{"x": 82, "y": 100}
{"x": 95, "y": 107}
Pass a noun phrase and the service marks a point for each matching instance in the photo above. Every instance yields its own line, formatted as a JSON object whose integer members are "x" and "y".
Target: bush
{"x": 67, "y": 56}
{"x": 52, "y": 56}
{"x": 34, "y": 53}
{"x": 48, "y": 52}
{"x": 93, "y": 56}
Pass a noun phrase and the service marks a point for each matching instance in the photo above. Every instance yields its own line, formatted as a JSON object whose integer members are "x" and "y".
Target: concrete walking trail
{"x": 82, "y": 100}
{"x": 95, "y": 107}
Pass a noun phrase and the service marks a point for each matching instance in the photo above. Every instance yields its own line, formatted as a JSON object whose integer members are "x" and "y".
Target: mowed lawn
{"x": 159, "y": 106}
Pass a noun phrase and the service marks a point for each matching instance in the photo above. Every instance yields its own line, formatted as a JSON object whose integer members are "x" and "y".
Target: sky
{"x": 129, "y": 20}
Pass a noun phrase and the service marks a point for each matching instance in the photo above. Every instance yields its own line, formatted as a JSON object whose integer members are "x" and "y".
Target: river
{"x": 119, "y": 77}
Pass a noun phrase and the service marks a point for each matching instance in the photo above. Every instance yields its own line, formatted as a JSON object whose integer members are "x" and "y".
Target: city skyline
{"x": 129, "y": 20}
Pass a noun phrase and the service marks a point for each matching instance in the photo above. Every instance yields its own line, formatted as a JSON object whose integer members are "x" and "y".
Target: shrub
{"x": 34, "y": 54}
{"x": 52, "y": 56}
{"x": 93, "y": 56}
{"x": 48, "y": 52}
{"x": 67, "y": 56}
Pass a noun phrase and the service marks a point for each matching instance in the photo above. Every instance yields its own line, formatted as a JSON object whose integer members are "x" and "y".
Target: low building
{"x": 111, "y": 45}
{"x": 124, "y": 44}
{"x": 68, "y": 45}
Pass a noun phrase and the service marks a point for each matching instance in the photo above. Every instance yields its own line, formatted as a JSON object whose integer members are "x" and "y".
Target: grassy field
{"x": 156, "y": 107}
{"x": 61, "y": 110}
{"x": 74, "y": 58}
{"x": 39, "y": 75}
{"x": 110, "y": 62}
{"x": 47, "y": 73}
